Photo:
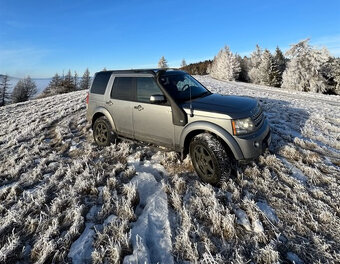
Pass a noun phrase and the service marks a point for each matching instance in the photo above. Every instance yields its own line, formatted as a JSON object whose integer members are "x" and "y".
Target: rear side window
{"x": 146, "y": 86}
{"x": 100, "y": 82}
{"x": 123, "y": 88}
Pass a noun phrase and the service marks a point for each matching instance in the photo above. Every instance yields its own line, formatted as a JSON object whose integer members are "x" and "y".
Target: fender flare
{"x": 215, "y": 129}
{"x": 107, "y": 114}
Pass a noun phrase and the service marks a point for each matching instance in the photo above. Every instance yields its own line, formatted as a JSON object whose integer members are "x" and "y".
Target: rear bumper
{"x": 253, "y": 145}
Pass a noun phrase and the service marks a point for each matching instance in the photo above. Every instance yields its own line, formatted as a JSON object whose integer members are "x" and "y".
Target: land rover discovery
{"x": 172, "y": 109}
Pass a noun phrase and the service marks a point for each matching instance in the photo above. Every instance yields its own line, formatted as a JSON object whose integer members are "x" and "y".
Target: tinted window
{"x": 100, "y": 82}
{"x": 146, "y": 86}
{"x": 123, "y": 88}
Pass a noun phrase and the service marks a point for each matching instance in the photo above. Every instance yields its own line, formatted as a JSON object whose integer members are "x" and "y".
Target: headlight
{"x": 242, "y": 126}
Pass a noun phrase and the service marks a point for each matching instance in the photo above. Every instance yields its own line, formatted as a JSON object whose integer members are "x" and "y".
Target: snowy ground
{"x": 65, "y": 200}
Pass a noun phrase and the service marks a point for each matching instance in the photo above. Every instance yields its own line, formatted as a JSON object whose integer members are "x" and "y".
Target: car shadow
{"x": 286, "y": 122}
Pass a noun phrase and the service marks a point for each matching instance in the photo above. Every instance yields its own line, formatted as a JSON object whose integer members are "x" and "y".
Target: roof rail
{"x": 150, "y": 71}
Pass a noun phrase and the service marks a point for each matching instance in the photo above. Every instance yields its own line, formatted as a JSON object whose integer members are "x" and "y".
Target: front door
{"x": 151, "y": 122}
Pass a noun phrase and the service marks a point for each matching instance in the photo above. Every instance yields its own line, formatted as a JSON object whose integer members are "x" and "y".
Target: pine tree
{"x": 4, "y": 87}
{"x": 162, "y": 63}
{"x": 304, "y": 70}
{"x": 281, "y": 63}
{"x": 75, "y": 81}
{"x": 336, "y": 75}
{"x": 68, "y": 83}
{"x": 184, "y": 63}
{"x": 225, "y": 65}
{"x": 275, "y": 76}
{"x": 264, "y": 68}
{"x": 255, "y": 61}
{"x": 331, "y": 72}
{"x": 24, "y": 90}
{"x": 85, "y": 81}
{"x": 244, "y": 65}
{"x": 53, "y": 87}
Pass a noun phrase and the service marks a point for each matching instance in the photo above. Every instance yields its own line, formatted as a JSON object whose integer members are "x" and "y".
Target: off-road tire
{"x": 102, "y": 132}
{"x": 209, "y": 158}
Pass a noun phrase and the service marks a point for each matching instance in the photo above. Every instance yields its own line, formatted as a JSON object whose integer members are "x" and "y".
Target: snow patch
{"x": 150, "y": 234}
{"x": 268, "y": 211}
{"x": 81, "y": 249}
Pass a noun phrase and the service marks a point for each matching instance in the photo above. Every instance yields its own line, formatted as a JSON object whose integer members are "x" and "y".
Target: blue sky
{"x": 40, "y": 38}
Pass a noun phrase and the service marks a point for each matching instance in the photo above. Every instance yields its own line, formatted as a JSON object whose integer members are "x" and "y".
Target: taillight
{"x": 87, "y": 98}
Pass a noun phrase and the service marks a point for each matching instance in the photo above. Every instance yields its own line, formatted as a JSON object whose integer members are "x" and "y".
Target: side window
{"x": 123, "y": 88}
{"x": 100, "y": 82}
{"x": 146, "y": 86}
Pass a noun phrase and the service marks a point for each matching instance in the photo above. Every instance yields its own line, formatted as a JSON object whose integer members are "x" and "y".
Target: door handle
{"x": 109, "y": 103}
{"x": 138, "y": 107}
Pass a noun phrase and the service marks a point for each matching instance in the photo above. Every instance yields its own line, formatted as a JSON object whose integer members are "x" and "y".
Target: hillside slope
{"x": 62, "y": 199}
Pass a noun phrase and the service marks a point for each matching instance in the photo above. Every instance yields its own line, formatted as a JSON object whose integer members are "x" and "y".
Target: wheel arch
{"x": 101, "y": 111}
{"x": 195, "y": 128}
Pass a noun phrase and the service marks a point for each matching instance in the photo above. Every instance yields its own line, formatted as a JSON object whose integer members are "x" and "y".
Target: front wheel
{"x": 209, "y": 158}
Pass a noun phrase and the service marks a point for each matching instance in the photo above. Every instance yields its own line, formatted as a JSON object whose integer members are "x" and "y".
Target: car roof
{"x": 150, "y": 71}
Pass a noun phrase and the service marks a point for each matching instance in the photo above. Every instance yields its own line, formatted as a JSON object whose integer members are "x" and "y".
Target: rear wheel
{"x": 102, "y": 132}
{"x": 209, "y": 158}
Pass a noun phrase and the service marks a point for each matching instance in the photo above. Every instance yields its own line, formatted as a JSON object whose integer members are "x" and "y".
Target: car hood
{"x": 233, "y": 106}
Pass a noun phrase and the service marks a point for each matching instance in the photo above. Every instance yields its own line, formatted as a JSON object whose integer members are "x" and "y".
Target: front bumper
{"x": 253, "y": 145}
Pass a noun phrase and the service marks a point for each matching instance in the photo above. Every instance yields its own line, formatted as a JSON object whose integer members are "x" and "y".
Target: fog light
{"x": 256, "y": 144}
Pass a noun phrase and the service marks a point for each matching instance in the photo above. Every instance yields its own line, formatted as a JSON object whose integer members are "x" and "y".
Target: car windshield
{"x": 181, "y": 85}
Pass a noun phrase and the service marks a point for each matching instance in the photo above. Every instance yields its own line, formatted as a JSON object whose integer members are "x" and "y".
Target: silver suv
{"x": 170, "y": 108}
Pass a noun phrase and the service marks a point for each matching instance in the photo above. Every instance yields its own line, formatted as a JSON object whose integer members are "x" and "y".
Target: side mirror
{"x": 157, "y": 98}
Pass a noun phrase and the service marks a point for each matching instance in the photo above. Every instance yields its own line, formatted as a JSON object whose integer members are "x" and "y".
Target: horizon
{"x": 41, "y": 39}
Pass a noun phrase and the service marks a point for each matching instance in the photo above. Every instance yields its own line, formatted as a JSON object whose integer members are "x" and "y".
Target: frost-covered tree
{"x": 53, "y": 86}
{"x": 275, "y": 76}
{"x": 75, "y": 80}
{"x": 225, "y": 65}
{"x": 331, "y": 72}
{"x": 183, "y": 63}
{"x": 281, "y": 63}
{"x": 335, "y": 71}
{"x": 4, "y": 87}
{"x": 244, "y": 65}
{"x": 68, "y": 83}
{"x": 255, "y": 60}
{"x": 268, "y": 72}
{"x": 304, "y": 70}
{"x": 209, "y": 68}
{"x": 24, "y": 90}
{"x": 264, "y": 68}
{"x": 85, "y": 81}
{"x": 162, "y": 63}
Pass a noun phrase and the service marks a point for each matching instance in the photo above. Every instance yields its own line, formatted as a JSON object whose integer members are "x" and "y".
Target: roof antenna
{"x": 191, "y": 110}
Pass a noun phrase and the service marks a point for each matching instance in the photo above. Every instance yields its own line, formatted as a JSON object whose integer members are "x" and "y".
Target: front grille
{"x": 258, "y": 116}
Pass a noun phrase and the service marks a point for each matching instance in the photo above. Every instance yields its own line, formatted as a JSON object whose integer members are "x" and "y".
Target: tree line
{"x": 302, "y": 68}
{"x": 26, "y": 88}
{"x": 67, "y": 83}
{"x": 23, "y": 90}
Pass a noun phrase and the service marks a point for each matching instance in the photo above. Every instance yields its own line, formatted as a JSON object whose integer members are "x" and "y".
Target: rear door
{"x": 120, "y": 104}
{"x": 152, "y": 122}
